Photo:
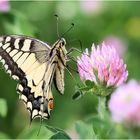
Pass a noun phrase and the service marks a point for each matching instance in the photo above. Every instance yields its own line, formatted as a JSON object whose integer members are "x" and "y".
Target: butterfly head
{"x": 60, "y": 45}
{"x": 61, "y": 42}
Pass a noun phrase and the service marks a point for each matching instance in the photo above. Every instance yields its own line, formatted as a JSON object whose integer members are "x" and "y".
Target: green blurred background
{"x": 94, "y": 22}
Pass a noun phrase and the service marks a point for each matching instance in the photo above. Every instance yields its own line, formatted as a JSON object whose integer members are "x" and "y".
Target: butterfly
{"x": 35, "y": 64}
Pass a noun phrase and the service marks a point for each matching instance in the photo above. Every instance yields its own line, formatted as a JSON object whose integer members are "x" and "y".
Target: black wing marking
{"x": 23, "y": 58}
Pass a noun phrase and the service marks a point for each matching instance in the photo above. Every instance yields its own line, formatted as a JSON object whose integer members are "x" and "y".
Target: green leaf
{"x": 97, "y": 125}
{"x": 102, "y": 127}
{"x": 3, "y": 107}
{"x": 59, "y": 133}
{"x": 84, "y": 130}
{"x": 77, "y": 95}
{"x": 54, "y": 130}
{"x": 89, "y": 83}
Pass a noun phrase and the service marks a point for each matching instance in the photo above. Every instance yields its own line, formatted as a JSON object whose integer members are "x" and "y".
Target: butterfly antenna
{"x": 72, "y": 25}
{"x": 57, "y": 27}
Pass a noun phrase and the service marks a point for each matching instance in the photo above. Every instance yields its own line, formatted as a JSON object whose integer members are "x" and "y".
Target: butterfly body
{"x": 35, "y": 65}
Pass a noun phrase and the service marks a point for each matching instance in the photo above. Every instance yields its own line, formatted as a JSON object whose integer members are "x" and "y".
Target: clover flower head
{"x": 4, "y": 6}
{"x": 124, "y": 104}
{"x": 103, "y": 66}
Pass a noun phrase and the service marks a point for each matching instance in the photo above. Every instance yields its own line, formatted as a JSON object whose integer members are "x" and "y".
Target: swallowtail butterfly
{"x": 35, "y": 65}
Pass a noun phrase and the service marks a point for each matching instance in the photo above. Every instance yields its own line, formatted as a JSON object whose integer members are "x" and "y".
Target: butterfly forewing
{"x": 34, "y": 64}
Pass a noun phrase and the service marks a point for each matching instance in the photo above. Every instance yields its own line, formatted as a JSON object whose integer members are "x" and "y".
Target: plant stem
{"x": 101, "y": 106}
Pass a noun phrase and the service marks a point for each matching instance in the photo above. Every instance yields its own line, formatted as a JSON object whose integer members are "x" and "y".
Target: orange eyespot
{"x": 50, "y": 104}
